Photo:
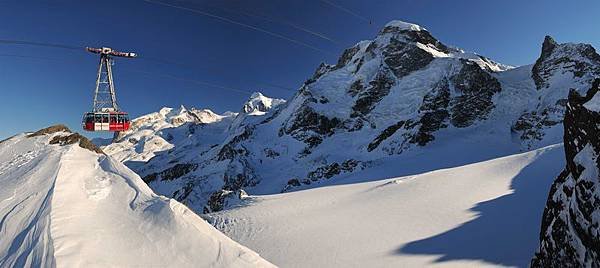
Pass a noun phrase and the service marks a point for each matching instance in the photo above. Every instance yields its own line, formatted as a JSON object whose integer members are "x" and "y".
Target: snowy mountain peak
{"x": 256, "y": 95}
{"x": 259, "y": 103}
{"x": 404, "y": 26}
{"x": 181, "y": 109}
{"x": 581, "y": 60}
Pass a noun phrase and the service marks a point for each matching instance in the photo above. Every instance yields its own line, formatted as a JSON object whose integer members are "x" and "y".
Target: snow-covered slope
{"x": 402, "y": 93}
{"x": 480, "y": 214}
{"x": 67, "y": 206}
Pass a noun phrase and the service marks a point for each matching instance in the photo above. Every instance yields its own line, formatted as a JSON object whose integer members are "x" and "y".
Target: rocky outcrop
{"x": 171, "y": 173}
{"x": 559, "y": 68}
{"x": 578, "y": 59}
{"x": 476, "y": 88}
{"x": 378, "y": 88}
{"x": 223, "y": 199}
{"x": 67, "y": 139}
{"x": 50, "y": 130}
{"x": 404, "y": 58}
{"x": 570, "y": 232}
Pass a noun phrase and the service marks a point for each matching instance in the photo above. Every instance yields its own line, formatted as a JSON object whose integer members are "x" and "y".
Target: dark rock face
{"x": 434, "y": 111}
{"x": 328, "y": 171}
{"x": 171, "y": 173}
{"x": 531, "y": 124}
{"x": 404, "y": 58}
{"x": 471, "y": 102}
{"x": 347, "y": 55}
{"x": 224, "y": 198}
{"x": 309, "y": 120}
{"x": 537, "y": 70}
{"x": 570, "y": 233}
{"x": 378, "y": 88}
{"x": 477, "y": 88}
{"x": 389, "y": 131}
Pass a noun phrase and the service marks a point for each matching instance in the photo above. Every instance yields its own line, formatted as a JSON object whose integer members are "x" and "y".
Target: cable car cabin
{"x": 106, "y": 121}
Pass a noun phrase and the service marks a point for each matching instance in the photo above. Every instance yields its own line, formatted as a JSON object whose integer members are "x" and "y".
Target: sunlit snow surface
{"x": 66, "y": 206}
{"x": 482, "y": 214}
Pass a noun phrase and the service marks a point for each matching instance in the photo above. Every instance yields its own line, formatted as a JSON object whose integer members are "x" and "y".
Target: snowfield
{"x": 480, "y": 214}
{"x": 66, "y": 206}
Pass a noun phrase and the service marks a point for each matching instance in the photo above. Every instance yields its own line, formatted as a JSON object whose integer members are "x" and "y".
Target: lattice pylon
{"x": 104, "y": 94}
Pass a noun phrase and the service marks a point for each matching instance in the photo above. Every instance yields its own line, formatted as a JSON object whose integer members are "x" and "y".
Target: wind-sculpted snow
{"x": 67, "y": 206}
{"x": 397, "y": 94}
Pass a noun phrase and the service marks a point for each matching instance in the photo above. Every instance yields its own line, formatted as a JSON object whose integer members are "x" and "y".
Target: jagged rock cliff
{"x": 570, "y": 233}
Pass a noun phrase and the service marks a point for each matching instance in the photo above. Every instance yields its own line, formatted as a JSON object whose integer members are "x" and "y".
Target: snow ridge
{"x": 66, "y": 206}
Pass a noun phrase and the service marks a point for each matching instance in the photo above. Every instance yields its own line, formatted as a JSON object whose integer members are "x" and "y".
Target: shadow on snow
{"x": 506, "y": 231}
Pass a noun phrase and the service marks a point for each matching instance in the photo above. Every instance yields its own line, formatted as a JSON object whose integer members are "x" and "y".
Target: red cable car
{"x": 106, "y": 121}
{"x": 105, "y": 114}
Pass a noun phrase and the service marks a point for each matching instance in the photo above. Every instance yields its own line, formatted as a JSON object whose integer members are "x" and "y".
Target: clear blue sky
{"x": 41, "y": 86}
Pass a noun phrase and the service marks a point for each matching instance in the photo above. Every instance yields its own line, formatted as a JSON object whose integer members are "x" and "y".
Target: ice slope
{"x": 481, "y": 214}
{"x": 66, "y": 206}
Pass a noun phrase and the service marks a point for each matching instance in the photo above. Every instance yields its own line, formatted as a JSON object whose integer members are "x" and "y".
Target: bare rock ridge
{"x": 71, "y": 138}
{"x": 570, "y": 232}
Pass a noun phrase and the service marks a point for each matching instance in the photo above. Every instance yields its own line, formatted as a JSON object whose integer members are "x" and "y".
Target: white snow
{"x": 404, "y": 25}
{"x": 481, "y": 214}
{"x": 66, "y": 206}
{"x": 593, "y": 104}
{"x": 153, "y": 133}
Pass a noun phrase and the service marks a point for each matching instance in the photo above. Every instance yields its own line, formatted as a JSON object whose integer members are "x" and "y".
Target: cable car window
{"x": 105, "y": 118}
{"x": 113, "y": 118}
{"x": 121, "y": 119}
{"x": 98, "y": 118}
{"x": 89, "y": 118}
{"x": 126, "y": 117}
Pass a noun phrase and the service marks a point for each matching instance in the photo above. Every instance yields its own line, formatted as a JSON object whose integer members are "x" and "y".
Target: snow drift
{"x": 63, "y": 203}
